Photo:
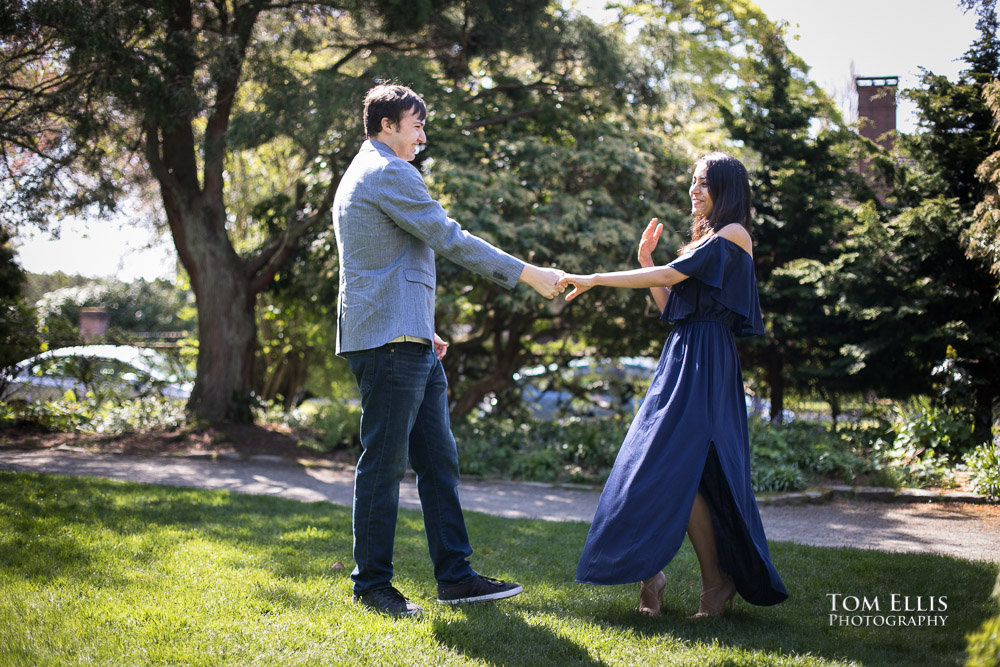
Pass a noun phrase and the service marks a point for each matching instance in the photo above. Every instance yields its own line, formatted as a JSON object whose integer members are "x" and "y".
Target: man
{"x": 388, "y": 229}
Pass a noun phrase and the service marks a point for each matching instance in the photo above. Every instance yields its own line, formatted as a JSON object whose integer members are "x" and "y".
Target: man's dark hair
{"x": 390, "y": 101}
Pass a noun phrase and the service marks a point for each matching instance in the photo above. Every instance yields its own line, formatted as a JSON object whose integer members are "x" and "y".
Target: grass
{"x": 100, "y": 572}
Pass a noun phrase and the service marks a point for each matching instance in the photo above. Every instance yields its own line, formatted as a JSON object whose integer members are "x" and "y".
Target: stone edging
{"x": 882, "y": 494}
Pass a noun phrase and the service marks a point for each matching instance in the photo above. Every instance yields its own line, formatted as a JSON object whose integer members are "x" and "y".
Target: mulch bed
{"x": 243, "y": 439}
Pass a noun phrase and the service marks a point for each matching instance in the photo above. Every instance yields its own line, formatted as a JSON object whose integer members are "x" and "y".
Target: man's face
{"x": 404, "y": 137}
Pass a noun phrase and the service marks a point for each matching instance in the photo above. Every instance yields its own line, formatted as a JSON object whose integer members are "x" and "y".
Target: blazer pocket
{"x": 422, "y": 277}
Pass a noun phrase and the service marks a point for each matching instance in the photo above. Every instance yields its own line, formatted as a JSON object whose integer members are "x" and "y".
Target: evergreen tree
{"x": 800, "y": 164}
{"x": 925, "y": 305}
{"x": 18, "y": 325}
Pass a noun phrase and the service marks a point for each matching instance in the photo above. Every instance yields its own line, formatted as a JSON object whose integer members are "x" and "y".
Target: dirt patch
{"x": 243, "y": 439}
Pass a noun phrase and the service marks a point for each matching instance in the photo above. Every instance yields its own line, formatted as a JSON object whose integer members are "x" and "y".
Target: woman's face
{"x": 701, "y": 198}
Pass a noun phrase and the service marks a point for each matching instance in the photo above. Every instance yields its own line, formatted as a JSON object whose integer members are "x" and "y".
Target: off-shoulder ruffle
{"x": 728, "y": 270}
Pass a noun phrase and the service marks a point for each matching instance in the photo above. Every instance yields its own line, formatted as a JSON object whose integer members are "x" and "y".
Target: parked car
{"x": 133, "y": 371}
{"x": 589, "y": 387}
{"x": 586, "y": 387}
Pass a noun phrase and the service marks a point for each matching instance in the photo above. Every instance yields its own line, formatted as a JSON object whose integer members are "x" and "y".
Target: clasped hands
{"x": 550, "y": 282}
{"x": 582, "y": 283}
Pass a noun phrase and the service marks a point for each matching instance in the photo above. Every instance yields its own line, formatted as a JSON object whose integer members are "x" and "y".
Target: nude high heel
{"x": 712, "y": 601}
{"x": 651, "y": 594}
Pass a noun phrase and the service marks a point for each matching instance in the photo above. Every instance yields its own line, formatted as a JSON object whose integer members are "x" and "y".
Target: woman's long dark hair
{"x": 729, "y": 186}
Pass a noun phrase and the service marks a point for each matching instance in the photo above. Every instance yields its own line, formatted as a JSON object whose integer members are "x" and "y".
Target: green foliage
{"x": 93, "y": 413}
{"x": 984, "y": 464}
{"x": 930, "y": 430}
{"x": 545, "y": 451}
{"x": 336, "y": 425}
{"x": 983, "y": 648}
{"x": 913, "y": 454}
{"x": 916, "y": 295}
{"x": 18, "y": 324}
{"x": 137, "y": 306}
{"x": 983, "y": 236}
{"x": 920, "y": 312}
{"x": 785, "y": 457}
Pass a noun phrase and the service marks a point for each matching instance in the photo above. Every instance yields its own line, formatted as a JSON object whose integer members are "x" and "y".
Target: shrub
{"x": 920, "y": 448}
{"x": 983, "y": 647}
{"x": 543, "y": 451}
{"x": 898, "y": 464}
{"x": 335, "y": 424}
{"x": 140, "y": 414}
{"x": 984, "y": 464}
{"x": 93, "y": 413}
{"x": 933, "y": 431}
{"x": 785, "y": 457}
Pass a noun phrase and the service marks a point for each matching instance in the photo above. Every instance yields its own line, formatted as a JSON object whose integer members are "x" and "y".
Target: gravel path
{"x": 962, "y": 530}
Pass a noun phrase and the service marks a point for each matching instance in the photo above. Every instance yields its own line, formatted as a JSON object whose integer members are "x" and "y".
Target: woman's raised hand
{"x": 650, "y": 237}
{"x": 580, "y": 284}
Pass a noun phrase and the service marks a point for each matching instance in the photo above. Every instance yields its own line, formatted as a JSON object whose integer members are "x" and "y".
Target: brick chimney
{"x": 877, "y": 121}
{"x": 93, "y": 323}
{"x": 877, "y": 108}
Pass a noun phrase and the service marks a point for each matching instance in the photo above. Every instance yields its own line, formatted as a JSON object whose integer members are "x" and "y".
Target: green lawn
{"x": 94, "y": 571}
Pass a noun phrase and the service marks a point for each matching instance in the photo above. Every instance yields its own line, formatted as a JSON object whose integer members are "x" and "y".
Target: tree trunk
{"x": 226, "y": 340}
{"x": 227, "y": 330}
{"x": 479, "y": 390}
{"x": 776, "y": 385}
{"x": 508, "y": 358}
{"x": 833, "y": 398}
{"x": 986, "y": 398}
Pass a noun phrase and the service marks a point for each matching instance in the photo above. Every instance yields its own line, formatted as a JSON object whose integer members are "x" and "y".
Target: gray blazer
{"x": 388, "y": 229}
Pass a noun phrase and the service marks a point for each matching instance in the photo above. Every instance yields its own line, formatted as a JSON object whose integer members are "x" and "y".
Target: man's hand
{"x": 440, "y": 347}
{"x": 650, "y": 237}
{"x": 543, "y": 281}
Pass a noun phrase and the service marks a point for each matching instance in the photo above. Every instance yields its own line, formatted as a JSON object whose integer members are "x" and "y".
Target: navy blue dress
{"x": 690, "y": 434}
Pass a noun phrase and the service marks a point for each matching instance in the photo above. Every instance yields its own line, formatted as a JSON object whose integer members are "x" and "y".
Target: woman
{"x": 685, "y": 463}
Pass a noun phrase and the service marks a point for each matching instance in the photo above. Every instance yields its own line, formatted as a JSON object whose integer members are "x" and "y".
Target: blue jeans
{"x": 404, "y": 413}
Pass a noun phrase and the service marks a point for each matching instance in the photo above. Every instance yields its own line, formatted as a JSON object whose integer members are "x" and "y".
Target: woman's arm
{"x": 653, "y": 276}
{"x": 650, "y": 237}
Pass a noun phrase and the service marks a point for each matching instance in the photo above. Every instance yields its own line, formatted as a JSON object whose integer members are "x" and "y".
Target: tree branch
{"x": 531, "y": 111}
{"x": 261, "y": 269}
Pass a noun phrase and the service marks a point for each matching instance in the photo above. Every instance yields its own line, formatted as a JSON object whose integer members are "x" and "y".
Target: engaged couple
{"x": 685, "y": 462}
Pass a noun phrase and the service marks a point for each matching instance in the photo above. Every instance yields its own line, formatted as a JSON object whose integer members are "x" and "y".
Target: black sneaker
{"x": 389, "y": 601}
{"x": 480, "y": 589}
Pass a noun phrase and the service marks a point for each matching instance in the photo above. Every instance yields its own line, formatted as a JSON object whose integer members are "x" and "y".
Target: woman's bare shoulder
{"x": 738, "y": 234}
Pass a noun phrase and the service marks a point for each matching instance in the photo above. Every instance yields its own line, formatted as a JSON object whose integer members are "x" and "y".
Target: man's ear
{"x": 388, "y": 126}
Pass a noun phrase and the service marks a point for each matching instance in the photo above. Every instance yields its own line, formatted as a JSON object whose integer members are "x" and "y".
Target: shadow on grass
{"x": 50, "y": 521}
{"x": 58, "y": 527}
{"x": 495, "y": 636}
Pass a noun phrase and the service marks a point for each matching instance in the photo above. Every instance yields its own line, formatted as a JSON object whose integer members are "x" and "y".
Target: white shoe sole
{"x": 500, "y": 595}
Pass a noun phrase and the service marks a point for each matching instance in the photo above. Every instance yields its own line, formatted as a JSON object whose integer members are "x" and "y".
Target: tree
{"x": 983, "y": 236}
{"x": 959, "y": 136}
{"x": 101, "y": 96}
{"x": 801, "y": 178}
{"x": 18, "y": 324}
{"x": 923, "y": 298}
{"x": 541, "y": 147}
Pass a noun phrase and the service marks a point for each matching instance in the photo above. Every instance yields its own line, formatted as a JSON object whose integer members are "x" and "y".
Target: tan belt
{"x": 410, "y": 339}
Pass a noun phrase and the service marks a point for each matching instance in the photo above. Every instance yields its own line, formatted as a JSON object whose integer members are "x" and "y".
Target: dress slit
{"x": 738, "y": 554}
